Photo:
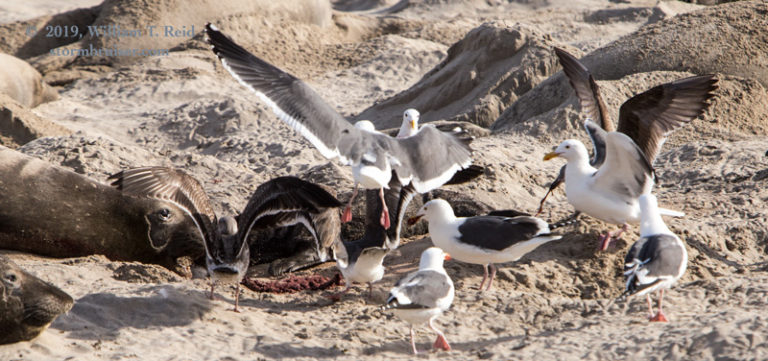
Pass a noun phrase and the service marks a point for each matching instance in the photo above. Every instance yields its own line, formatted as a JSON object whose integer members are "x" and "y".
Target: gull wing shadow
{"x": 103, "y": 315}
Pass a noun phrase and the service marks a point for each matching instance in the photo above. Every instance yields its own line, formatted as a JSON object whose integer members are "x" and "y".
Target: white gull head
{"x": 436, "y": 210}
{"x": 571, "y": 149}
{"x": 410, "y": 123}
{"x": 365, "y": 125}
{"x": 228, "y": 226}
{"x": 432, "y": 258}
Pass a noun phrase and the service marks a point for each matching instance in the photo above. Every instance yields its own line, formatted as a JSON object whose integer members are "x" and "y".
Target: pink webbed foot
{"x": 659, "y": 317}
{"x": 441, "y": 343}
{"x": 385, "y": 220}
{"x": 346, "y": 216}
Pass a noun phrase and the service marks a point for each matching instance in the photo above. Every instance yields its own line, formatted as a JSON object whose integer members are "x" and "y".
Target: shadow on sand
{"x": 102, "y": 315}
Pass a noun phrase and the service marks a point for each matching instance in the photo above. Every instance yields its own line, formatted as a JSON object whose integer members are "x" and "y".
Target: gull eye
{"x": 567, "y": 147}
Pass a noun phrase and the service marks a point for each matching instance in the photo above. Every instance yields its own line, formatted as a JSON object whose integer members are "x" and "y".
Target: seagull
{"x": 410, "y": 127}
{"x": 427, "y": 159}
{"x": 410, "y": 124}
{"x": 289, "y": 201}
{"x": 656, "y": 261}
{"x": 423, "y": 295}
{"x": 620, "y": 170}
{"x": 483, "y": 240}
{"x": 227, "y": 254}
{"x": 226, "y": 257}
{"x": 361, "y": 260}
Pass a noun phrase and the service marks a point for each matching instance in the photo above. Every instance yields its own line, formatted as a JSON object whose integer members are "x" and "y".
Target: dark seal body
{"x": 27, "y": 304}
{"x": 48, "y": 210}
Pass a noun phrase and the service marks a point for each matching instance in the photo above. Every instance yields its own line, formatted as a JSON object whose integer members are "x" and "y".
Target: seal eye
{"x": 165, "y": 214}
{"x": 11, "y": 277}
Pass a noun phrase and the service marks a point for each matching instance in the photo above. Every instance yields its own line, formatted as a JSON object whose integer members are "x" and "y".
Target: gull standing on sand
{"x": 226, "y": 257}
{"x": 656, "y": 261}
{"x": 280, "y": 202}
{"x": 427, "y": 159}
{"x": 424, "y": 295}
{"x": 607, "y": 186}
{"x": 361, "y": 260}
{"x": 483, "y": 240}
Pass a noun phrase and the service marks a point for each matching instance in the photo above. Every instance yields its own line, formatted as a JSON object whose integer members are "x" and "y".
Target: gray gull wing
{"x": 586, "y": 89}
{"x": 656, "y": 257}
{"x": 286, "y": 201}
{"x": 648, "y": 117}
{"x": 421, "y": 289}
{"x": 597, "y": 135}
{"x": 626, "y": 172}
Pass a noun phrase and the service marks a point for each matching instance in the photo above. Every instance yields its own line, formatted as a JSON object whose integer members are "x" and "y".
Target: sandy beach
{"x": 486, "y": 65}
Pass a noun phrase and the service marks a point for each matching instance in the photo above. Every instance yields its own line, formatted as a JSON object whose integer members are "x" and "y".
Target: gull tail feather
{"x": 672, "y": 213}
{"x": 391, "y": 303}
{"x": 563, "y": 223}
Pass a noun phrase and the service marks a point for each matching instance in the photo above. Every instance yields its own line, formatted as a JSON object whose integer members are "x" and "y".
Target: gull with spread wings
{"x": 427, "y": 159}
{"x": 607, "y": 186}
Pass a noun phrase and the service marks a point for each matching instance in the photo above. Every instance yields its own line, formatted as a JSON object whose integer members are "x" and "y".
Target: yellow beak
{"x": 551, "y": 155}
{"x": 413, "y": 124}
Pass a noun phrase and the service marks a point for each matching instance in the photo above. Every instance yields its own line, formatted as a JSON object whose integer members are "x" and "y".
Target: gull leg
{"x": 211, "y": 296}
{"x": 441, "y": 342}
{"x": 370, "y": 290}
{"x": 556, "y": 183}
{"x": 541, "y": 204}
{"x": 605, "y": 240}
{"x": 485, "y": 277}
{"x": 659, "y": 317}
{"x": 493, "y": 274}
{"x": 337, "y": 296}
{"x": 413, "y": 342}
{"x": 237, "y": 297}
{"x": 384, "y": 210}
{"x": 650, "y": 305}
{"x": 347, "y": 215}
{"x": 617, "y": 233}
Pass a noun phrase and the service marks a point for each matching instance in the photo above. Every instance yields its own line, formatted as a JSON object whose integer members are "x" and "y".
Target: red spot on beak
{"x": 413, "y": 220}
{"x": 448, "y": 257}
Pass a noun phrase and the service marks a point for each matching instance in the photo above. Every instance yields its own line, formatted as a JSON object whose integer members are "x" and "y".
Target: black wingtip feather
{"x": 312, "y": 192}
{"x": 634, "y": 288}
{"x": 467, "y": 174}
{"x": 223, "y": 46}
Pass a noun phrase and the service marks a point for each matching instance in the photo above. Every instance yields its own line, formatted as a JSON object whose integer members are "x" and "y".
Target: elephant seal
{"x": 23, "y": 83}
{"x": 27, "y": 304}
{"x": 48, "y": 210}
